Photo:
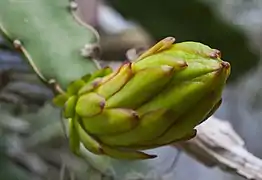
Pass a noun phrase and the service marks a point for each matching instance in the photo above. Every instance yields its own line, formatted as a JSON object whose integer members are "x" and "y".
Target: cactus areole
{"x": 156, "y": 100}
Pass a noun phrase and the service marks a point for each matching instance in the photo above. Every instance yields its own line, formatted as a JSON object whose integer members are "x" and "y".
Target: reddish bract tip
{"x": 102, "y": 104}
{"x": 96, "y": 82}
{"x": 225, "y": 65}
{"x": 122, "y": 66}
{"x": 135, "y": 115}
{"x": 183, "y": 64}
{"x": 215, "y": 54}
{"x": 125, "y": 62}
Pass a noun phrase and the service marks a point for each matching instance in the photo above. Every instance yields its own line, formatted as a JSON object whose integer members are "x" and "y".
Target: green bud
{"x": 153, "y": 101}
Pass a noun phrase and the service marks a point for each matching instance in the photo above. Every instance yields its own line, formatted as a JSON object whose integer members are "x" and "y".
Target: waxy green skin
{"x": 51, "y": 38}
{"x": 153, "y": 101}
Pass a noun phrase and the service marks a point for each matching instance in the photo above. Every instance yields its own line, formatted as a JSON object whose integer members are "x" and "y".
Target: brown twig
{"x": 217, "y": 144}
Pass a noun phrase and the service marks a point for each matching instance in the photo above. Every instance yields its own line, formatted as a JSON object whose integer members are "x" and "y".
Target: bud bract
{"x": 155, "y": 100}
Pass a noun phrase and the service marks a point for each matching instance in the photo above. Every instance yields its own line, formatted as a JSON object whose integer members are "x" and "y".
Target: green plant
{"x": 146, "y": 103}
{"x": 60, "y": 50}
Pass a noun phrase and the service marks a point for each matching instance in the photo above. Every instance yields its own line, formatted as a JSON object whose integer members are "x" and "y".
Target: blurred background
{"x": 32, "y": 142}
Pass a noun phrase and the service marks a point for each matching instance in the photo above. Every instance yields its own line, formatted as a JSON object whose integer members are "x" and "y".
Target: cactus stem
{"x": 47, "y": 63}
{"x": 73, "y": 7}
{"x": 18, "y": 45}
{"x": 3, "y": 31}
{"x": 89, "y": 50}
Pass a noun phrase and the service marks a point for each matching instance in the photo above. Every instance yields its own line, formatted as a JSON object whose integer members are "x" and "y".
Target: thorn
{"x": 17, "y": 44}
{"x": 73, "y": 6}
{"x": 90, "y": 51}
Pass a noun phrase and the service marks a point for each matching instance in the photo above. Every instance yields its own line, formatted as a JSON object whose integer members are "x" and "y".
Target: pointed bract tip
{"x": 169, "y": 39}
{"x": 224, "y": 68}
{"x": 152, "y": 156}
{"x": 96, "y": 82}
{"x": 215, "y": 54}
{"x": 126, "y": 62}
{"x": 225, "y": 65}
{"x": 166, "y": 68}
{"x": 102, "y": 104}
{"x": 183, "y": 64}
{"x": 135, "y": 115}
{"x": 89, "y": 87}
{"x": 145, "y": 156}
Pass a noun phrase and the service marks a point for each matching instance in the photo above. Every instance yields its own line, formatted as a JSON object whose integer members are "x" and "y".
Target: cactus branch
{"x": 51, "y": 38}
{"x": 73, "y": 8}
{"x": 18, "y": 45}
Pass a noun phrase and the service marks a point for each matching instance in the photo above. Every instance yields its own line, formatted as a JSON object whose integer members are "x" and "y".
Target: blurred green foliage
{"x": 191, "y": 20}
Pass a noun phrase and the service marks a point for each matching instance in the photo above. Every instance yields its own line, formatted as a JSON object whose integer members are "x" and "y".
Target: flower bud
{"x": 156, "y": 100}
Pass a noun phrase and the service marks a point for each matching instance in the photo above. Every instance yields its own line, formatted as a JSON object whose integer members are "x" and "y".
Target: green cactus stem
{"x": 52, "y": 39}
